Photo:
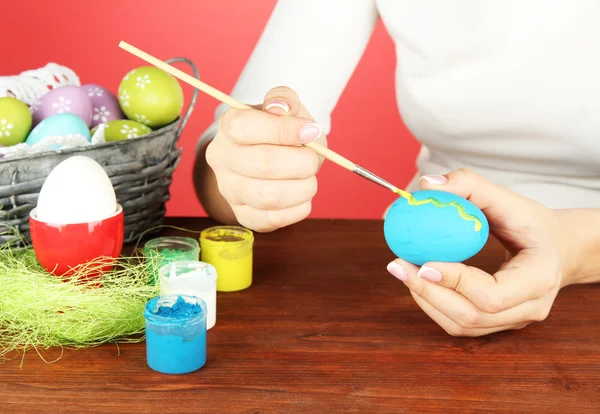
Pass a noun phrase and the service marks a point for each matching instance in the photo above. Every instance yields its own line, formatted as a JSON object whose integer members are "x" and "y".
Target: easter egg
{"x": 124, "y": 129}
{"x": 58, "y": 125}
{"x": 105, "y": 105}
{"x": 65, "y": 99}
{"x": 151, "y": 96}
{"x": 15, "y": 121}
{"x": 449, "y": 229}
{"x": 77, "y": 190}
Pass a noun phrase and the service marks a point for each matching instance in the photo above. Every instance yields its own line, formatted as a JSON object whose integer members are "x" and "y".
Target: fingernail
{"x": 398, "y": 271}
{"x": 435, "y": 179}
{"x": 310, "y": 131}
{"x": 277, "y": 107}
{"x": 429, "y": 273}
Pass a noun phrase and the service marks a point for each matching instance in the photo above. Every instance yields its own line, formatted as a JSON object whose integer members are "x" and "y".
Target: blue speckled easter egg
{"x": 58, "y": 125}
{"x": 426, "y": 233}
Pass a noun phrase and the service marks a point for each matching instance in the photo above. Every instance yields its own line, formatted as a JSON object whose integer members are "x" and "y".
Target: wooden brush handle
{"x": 330, "y": 155}
{"x": 228, "y": 100}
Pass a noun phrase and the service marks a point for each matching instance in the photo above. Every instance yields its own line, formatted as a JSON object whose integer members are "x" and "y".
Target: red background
{"x": 218, "y": 36}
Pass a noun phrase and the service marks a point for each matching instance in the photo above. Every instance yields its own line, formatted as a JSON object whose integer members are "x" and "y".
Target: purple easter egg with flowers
{"x": 64, "y": 99}
{"x": 105, "y": 105}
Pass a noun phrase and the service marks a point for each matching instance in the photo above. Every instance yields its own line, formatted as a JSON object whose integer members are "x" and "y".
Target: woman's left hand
{"x": 466, "y": 301}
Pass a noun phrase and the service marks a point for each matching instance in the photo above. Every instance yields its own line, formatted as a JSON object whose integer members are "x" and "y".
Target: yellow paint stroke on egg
{"x": 461, "y": 210}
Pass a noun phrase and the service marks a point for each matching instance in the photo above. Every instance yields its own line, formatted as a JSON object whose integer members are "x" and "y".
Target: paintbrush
{"x": 226, "y": 99}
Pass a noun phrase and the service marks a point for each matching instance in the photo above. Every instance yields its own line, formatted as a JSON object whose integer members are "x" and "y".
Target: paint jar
{"x": 175, "y": 333}
{"x": 163, "y": 250}
{"x": 229, "y": 250}
{"x": 192, "y": 278}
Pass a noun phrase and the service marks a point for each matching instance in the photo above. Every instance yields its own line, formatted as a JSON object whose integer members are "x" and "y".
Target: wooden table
{"x": 325, "y": 329}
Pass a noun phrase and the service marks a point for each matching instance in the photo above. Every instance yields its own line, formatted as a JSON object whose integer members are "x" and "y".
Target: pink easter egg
{"x": 64, "y": 99}
{"x": 105, "y": 105}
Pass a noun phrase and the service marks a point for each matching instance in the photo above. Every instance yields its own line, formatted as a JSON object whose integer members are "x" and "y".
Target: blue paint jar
{"x": 175, "y": 333}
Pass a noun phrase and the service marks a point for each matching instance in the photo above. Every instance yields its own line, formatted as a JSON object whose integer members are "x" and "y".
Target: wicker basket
{"x": 140, "y": 170}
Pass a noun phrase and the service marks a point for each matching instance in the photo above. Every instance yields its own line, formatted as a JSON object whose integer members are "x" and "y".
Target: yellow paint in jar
{"x": 229, "y": 250}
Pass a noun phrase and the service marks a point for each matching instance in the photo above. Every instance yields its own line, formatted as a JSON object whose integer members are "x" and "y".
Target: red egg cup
{"x": 61, "y": 247}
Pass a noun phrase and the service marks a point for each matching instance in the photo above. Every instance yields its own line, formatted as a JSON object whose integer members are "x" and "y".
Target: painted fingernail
{"x": 277, "y": 107}
{"x": 435, "y": 179}
{"x": 398, "y": 271}
{"x": 429, "y": 273}
{"x": 310, "y": 131}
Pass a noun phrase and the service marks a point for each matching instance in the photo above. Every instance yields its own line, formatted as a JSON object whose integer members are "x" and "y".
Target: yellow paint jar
{"x": 229, "y": 250}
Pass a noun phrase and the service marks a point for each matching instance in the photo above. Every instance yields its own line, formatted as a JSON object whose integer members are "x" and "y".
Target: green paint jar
{"x": 164, "y": 250}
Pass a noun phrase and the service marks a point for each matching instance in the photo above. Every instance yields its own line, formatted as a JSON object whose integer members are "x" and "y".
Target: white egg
{"x": 77, "y": 190}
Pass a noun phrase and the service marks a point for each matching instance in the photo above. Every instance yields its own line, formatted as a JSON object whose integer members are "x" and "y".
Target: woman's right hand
{"x": 262, "y": 170}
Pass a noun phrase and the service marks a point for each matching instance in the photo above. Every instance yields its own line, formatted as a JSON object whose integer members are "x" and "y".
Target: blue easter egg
{"x": 423, "y": 232}
{"x": 58, "y": 125}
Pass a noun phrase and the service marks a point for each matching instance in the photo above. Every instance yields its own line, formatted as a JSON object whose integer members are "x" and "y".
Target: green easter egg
{"x": 151, "y": 96}
{"x": 15, "y": 121}
{"x": 121, "y": 129}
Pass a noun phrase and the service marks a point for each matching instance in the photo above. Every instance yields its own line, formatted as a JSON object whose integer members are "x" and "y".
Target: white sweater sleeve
{"x": 311, "y": 46}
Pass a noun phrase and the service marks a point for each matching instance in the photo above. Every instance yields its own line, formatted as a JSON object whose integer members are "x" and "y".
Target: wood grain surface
{"x": 326, "y": 329}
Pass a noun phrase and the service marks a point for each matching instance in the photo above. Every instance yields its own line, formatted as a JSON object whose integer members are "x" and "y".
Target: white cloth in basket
{"x": 30, "y": 85}
{"x": 50, "y": 143}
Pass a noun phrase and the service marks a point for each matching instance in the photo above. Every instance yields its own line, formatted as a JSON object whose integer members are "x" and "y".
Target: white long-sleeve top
{"x": 509, "y": 88}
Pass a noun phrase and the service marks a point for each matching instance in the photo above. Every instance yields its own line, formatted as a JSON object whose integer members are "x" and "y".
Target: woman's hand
{"x": 261, "y": 169}
{"x": 466, "y": 301}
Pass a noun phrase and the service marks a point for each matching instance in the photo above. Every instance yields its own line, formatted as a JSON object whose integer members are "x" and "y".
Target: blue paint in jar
{"x": 175, "y": 334}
